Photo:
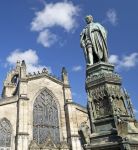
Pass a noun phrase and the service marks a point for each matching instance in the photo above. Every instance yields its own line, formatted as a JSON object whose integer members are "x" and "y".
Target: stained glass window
{"x": 45, "y": 118}
{"x": 5, "y": 134}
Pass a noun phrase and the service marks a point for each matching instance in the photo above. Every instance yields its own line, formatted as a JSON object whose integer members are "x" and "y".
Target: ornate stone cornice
{"x": 101, "y": 78}
{"x": 44, "y": 73}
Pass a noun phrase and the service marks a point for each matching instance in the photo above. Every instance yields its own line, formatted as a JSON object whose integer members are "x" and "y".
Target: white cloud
{"x": 46, "y": 38}
{"x": 30, "y": 57}
{"x": 58, "y": 14}
{"x": 113, "y": 59}
{"x": 77, "y": 68}
{"x": 125, "y": 62}
{"x": 130, "y": 61}
{"x": 111, "y": 15}
{"x": 62, "y": 14}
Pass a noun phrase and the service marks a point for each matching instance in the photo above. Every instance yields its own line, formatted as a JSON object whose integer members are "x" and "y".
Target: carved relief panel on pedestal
{"x": 102, "y": 107}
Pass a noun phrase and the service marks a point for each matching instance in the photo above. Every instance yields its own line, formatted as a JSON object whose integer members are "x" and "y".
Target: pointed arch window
{"x": 5, "y": 134}
{"x": 45, "y": 118}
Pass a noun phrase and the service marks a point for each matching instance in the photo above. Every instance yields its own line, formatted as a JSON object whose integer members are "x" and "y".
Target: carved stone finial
{"x": 18, "y": 63}
{"x": 23, "y": 63}
{"x": 65, "y": 76}
{"x": 64, "y": 71}
{"x": 44, "y": 70}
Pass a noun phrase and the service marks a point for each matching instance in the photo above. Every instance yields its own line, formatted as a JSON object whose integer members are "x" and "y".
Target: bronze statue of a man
{"x": 93, "y": 42}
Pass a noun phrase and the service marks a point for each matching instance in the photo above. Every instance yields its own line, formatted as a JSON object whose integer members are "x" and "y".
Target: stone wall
{"x": 76, "y": 114}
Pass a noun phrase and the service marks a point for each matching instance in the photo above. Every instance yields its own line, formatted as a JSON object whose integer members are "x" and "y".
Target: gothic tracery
{"x": 5, "y": 134}
{"x": 45, "y": 118}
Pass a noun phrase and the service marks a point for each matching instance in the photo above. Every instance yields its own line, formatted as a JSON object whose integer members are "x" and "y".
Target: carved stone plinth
{"x": 112, "y": 122}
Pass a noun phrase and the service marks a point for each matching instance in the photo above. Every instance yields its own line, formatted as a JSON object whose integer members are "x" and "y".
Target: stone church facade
{"x": 37, "y": 112}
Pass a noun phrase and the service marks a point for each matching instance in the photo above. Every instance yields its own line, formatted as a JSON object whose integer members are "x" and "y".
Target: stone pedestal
{"x": 112, "y": 122}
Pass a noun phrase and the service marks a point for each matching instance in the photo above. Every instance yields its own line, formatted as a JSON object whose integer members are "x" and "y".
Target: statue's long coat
{"x": 98, "y": 38}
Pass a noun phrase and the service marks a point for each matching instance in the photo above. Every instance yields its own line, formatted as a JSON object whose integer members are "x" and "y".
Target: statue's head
{"x": 89, "y": 19}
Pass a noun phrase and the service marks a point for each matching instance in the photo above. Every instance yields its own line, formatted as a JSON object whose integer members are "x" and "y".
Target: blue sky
{"x": 46, "y": 34}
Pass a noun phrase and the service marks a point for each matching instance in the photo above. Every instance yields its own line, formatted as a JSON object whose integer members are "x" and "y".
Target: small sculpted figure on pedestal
{"x": 93, "y": 41}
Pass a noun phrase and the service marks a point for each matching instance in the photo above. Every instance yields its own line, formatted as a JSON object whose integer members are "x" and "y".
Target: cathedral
{"x": 37, "y": 112}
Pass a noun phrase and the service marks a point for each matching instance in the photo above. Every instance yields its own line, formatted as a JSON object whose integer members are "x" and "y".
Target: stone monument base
{"x": 113, "y": 125}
